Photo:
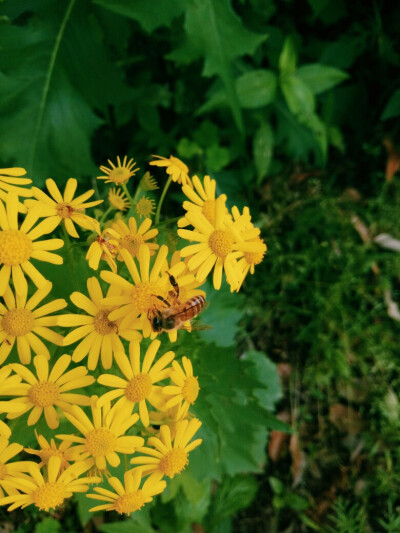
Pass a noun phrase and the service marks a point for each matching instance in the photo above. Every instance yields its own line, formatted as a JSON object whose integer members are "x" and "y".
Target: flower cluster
{"x": 139, "y": 408}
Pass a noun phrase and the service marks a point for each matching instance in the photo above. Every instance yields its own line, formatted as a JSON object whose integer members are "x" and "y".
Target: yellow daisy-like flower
{"x": 9, "y": 470}
{"x": 148, "y": 182}
{"x": 185, "y": 390}
{"x": 139, "y": 385}
{"x": 49, "y": 449}
{"x": 118, "y": 199}
{"x": 201, "y": 199}
{"x": 7, "y": 384}
{"x": 119, "y": 174}
{"x": 105, "y": 246}
{"x": 216, "y": 244}
{"x": 174, "y": 167}
{"x": 145, "y": 207}
{"x": 131, "y": 237}
{"x": 105, "y": 437}
{"x": 24, "y": 322}
{"x": 169, "y": 456}
{"x": 11, "y": 181}
{"x": 100, "y": 334}
{"x": 248, "y": 260}
{"x": 19, "y": 245}
{"x": 48, "y": 492}
{"x": 128, "y": 497}
{"x": 140, "y": 298}
{"x": 65, "y": 208}
{"x": 46, "y": 391}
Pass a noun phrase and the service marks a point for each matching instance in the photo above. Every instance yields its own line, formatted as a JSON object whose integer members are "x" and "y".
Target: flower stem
{"x": 70, "y": 255}
{"x": 166, "y": 186}
{"x": 125, "y": 189}
{"x": 105, "y": 214}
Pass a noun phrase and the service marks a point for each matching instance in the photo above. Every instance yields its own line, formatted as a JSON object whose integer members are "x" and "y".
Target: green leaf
{"x": 256, "y": 88}
{"x": 264, "y": 371}
{"x": 298, "y": 96}
{"x": 217, "y": 158}
{"x": 263, "y": 145}
{"x": 276, "y": 485}
{"x": 42, "y": 112}
{"x": 48, "y": 525}
{"x": 139, "y": 522}
{"x": 187, "y": 149}
{"x": 287, "y": 58}
{"x": 151, "y": 14}
{"x": 84, "y": 504}
{"x": 232, "y": 495}
{"x": 224, "y": 40}
{"x": 392, "y": 108}
{"x": 320, "y": 78}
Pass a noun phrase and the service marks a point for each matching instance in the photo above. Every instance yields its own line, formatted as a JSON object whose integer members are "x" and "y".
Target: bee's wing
{"x": 189, "y": 326}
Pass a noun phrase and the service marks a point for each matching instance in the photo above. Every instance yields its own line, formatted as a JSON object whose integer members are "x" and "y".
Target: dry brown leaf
{"x": 345, "y": 418}
{"x": 284, "y": 370}
{"x": 393, "y": 160}
{"x": 277, "y": 439}
{"x": 392, "y": 308}
{"x": 361, "y": 228}
{"x": 298, "y": 460}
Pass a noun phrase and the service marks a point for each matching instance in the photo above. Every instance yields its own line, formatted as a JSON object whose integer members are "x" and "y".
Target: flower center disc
{"x": 100, "y": 442}
{"x": 102, "y": 325}
{"x": 44, "y": 394}
{"x": 17, "y": 322}
{"x": 143, "y": 296}
{"x": 144, "y": 207}
{"x": 174, "y": 462}
{"x": 254, "y": 258}
{"x": 49, "y": 496}
{"x": 129, "y": 503}
{"x": 64, "y": 210}
{"x": 15, "y": 247}
{"x": 119, "y": 175}
{"x": 190, "y": 390}
{"x": 208, "y": 210}
{"x": 138, "y": 388}
{"x": 220, "y": 243}
{"x": 132, "y": 243}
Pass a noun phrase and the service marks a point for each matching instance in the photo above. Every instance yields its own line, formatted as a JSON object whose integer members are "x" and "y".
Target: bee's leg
{"x": 164, "y": 301}
{"x": 175, "y": 286}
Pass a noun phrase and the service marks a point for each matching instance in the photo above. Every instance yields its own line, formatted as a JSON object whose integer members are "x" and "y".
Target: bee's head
{"x": 156, "y": 322}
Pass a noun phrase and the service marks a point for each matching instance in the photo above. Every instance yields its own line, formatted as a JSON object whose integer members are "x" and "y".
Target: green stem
{"x": 166, "y": 186}
{"x": 125, "y": 189}
{"x": 47, "y": 81}
{"x": 168, "y": 221}
{"x": 70, "y": 256}
{"x": 105, "y": 214}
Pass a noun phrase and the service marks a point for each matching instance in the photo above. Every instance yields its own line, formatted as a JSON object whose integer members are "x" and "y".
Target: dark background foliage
{"x": 293, "y": 107}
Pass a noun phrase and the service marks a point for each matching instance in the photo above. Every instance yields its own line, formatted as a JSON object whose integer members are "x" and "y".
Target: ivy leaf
{"x": 320, "y": 78}
{"x": 151, "y": 14}
{"x": 217, "y": 34}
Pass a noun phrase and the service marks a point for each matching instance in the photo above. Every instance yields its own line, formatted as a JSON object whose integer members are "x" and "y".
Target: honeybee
{"x": 175, "y": 313}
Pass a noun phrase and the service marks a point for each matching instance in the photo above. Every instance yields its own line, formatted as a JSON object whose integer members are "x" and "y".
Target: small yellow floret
{"x": 129, "y": 503}
{"x": 220, "y": 243}
{"x": 44, "y": 393}
{"x": 190, "y": 390}
{"x": 100, "y": 442}
{"x": 138, "y": 388}
{"x": 49, "y": 496}
{"x": 103, "y": 325}
{"x": 174, "y": 462}
{"x": 17, "y": 322}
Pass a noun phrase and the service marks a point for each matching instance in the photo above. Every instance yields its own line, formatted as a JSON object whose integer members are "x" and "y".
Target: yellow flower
{"x": 185, "y": 390}
{"x": 148, "y": 183}
{"x": 128, "y": 497}
{"x": 202, "y": 199}
{"x": 133, "y": 237}
{"x": 46, "y": 391}
{"x": 49, "y": 449}
{"x": 7, "y": 383}
{"x": 23, "y": 322}
{"x": 105, "y": 437}
{"x": 100, "y": 334}
{"x": 139, "y": 385}
{"x": 67, "y": 209}
{"x": 118, "y": 199}
{"x": 18, "y": 246}
{"x": 174, "y": 167}
{"x": 119, "y": 174}
{"x": 11, "y": 181}
{"x": 9, "y": 470}
{"x": 140, "y": 298}
{"x": 48, "y": 492}
{"x": 168, "y": 456}
{"x": 145, "y": 207}
{"x": 216, "y": 244}
{"x": 105, "y": 246}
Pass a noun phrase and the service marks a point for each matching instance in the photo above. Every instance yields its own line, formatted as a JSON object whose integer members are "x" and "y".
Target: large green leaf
{"x": 215, "y": 33}
{"x": 320, "y": 78}
{"x": 151, "y": 14}
{"x": 256, "y": 88}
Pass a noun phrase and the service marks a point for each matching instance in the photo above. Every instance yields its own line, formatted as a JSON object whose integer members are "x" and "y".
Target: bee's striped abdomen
{"x": 192, "y": 307}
